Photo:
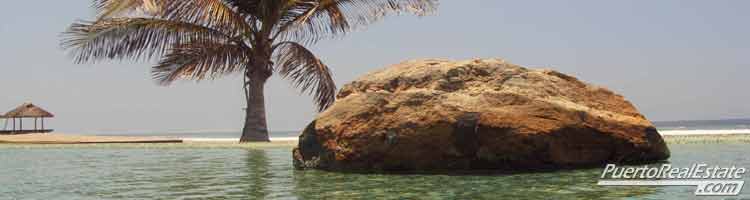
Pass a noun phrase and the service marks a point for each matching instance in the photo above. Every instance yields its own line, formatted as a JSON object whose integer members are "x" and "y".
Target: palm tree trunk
{"x": 255, "y": 129}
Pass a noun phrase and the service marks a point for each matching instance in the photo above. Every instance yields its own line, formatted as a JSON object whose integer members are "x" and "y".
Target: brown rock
{"x": 430, "y": 115}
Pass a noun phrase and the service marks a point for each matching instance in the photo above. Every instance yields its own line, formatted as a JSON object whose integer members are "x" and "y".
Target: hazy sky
{"x": 674, "y": 59}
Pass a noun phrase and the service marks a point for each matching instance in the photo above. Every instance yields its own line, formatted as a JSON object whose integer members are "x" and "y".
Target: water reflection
{"x": 257, "y": 167}
{"x": 579, "y": 184}
{"x": 240, "y": 173}
{"x": 269, "y": 174}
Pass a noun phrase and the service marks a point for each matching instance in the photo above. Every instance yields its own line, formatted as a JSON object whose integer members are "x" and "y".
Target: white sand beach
{"x": 58, "y": 138}
{"x": 65, "y": 138}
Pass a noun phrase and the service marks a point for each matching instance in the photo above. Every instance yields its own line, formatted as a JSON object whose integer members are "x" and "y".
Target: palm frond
{"x": 307, "y": 72}
{"x": 200, "y": 60}
{"x": 216, "y": 14}
{"x": 132, "y": 38}
{"x": 205, "y": 39}
{"x": 248, "y": 7}
{"x": 120, "y": 8}
{"x": 311, "y": 20}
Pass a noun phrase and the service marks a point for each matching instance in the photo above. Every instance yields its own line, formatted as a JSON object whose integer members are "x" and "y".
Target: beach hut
{"x": 25, "y": 111}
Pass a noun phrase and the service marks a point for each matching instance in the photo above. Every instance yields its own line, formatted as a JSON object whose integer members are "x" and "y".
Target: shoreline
{"x": 61, "y": 138}
{"x": 235, "y": 140}
{"x": 671, "y": 137}
{"x": 707, "y": 139}
{"x": 704, "y": 132}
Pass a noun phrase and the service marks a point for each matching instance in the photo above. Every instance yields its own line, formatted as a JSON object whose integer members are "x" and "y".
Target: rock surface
{"x": 428, "y": 115}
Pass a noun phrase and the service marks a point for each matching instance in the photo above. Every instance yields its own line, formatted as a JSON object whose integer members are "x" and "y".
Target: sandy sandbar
{"x": 57, "y": 138}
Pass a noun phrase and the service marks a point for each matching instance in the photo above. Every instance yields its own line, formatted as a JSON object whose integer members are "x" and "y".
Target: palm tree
{"x": 207, "y": 39}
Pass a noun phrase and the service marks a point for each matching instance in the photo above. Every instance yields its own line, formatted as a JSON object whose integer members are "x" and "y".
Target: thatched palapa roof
{"x": 27, "y": 110}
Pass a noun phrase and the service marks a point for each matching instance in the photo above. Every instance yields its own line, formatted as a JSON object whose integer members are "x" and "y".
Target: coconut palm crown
{"x": 207, "y": 39}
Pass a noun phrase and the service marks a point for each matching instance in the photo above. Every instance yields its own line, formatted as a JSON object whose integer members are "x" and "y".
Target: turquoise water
{"x": 184, "y": 171}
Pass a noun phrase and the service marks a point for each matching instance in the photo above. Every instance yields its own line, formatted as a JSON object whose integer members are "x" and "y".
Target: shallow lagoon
{"x": 216, "y": 171}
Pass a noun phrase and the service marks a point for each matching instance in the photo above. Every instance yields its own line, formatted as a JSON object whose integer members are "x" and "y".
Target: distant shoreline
{"x": 273, "y": 139}
{"x": 704, "y": 132}
{"x": 58, "y": 138}
{"x": 670, "y": 136}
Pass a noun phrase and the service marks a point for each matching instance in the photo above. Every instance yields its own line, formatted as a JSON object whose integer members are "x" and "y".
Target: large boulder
{"x": 432, "y": 115}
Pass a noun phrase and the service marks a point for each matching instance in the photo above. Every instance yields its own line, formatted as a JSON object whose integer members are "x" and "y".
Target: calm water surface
{"x": 204, "y": 172}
